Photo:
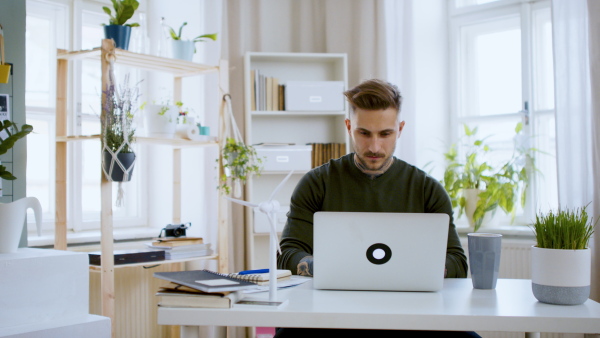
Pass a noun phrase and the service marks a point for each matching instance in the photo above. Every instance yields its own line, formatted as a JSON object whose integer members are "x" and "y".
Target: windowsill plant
{"x": 476, "y": 187}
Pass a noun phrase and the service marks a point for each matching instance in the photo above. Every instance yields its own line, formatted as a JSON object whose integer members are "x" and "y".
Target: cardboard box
{"x": 314, "y": 96}
{"x": 285, "y": 157}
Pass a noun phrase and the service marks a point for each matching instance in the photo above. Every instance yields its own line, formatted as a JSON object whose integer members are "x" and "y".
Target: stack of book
{"x": 181, "y": 247}
{"x": 200, "y": 288}
{"x": 267, "y": 93}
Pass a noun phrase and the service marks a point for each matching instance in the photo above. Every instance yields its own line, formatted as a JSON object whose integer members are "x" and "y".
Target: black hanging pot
{"x": 117, "y": 173}
{"x": 120, "y": 34}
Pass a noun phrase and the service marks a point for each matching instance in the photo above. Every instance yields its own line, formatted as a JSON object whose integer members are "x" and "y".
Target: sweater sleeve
{"x": 297, "y": 236}
{"x": 439, "y": 202}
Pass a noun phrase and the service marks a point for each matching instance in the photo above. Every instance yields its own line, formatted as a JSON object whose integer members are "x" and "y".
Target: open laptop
{"x": 379, "y": 251}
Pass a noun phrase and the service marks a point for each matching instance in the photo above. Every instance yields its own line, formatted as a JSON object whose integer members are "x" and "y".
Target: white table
{"x": 510, "y": 307}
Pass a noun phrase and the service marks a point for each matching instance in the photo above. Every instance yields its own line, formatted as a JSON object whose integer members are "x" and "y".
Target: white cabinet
{"x": 282, "y": 127}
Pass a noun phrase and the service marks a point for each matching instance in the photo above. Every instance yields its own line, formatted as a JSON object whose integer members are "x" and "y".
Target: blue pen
{"x": 250, "y": 272}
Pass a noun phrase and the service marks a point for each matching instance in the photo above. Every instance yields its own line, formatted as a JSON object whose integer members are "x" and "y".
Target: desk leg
{"x": 203, "y": 331}
{"x": 532, "y": 335}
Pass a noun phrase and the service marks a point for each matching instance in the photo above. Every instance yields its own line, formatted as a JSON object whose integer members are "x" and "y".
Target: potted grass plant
{"x": 561, "y": 259}
{"x": 477, "y": 187}
{"x": 185, "y": 49}
{"x": 118, "y": 29}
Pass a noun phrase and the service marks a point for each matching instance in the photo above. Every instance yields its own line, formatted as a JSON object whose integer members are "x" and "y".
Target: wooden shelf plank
{"x": 175, "y": 142}
{"x": 97, "y": 268}
{"x": 180, "y": 68}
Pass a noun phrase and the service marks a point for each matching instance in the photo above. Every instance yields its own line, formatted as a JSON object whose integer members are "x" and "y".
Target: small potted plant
{"x": 9, "y": 134}
{"x": 185, "y": 49}
{"x": 239, "y": 161}
{"x": 160, "y": 119}
{"x": 118, "y": 132}
{"x": 118, "y": 29}
{"x": 561, "y": 260}
{"x": 477, "y": 187}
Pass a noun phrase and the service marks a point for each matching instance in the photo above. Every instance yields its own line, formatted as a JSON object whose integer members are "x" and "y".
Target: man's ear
{"x": 400, "y": 128}
{"x": 348, "y": 125}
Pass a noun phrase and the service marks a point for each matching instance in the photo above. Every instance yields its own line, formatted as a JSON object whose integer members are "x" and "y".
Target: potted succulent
{"x": 239, "y": 161}
{"x": 118, "y": 29}
{"x": 160, "y": 120}
{"x": 185, "y": 49}
{"x": 118, "y": 132}
{"x": 561, "y": 260}
{"x": 9, "y": 134}
{"x": 477, "y": 187}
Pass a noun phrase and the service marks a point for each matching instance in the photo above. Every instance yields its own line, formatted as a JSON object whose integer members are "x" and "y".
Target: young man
{"x": 369, "y": 180}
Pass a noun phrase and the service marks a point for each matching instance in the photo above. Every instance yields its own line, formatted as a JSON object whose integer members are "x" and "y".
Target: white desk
{"x": 510, "y": 307}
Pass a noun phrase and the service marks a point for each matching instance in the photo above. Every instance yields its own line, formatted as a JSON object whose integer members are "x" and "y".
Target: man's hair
{"x": 374, "y": 95}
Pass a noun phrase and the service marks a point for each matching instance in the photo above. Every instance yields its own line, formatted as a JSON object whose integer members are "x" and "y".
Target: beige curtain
{"x": 594, "y": 43}
{"x": 355, "y": 27}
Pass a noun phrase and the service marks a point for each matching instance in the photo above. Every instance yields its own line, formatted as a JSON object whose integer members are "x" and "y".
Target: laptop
{"x": 379, "y": 251}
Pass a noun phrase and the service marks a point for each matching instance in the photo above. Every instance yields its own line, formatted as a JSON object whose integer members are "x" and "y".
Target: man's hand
{"x": 305, "y": 267}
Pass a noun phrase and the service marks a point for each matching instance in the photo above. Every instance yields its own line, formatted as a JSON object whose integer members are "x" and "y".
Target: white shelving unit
{"x": 296, "y": 127}
{"x": 179, "y": 69}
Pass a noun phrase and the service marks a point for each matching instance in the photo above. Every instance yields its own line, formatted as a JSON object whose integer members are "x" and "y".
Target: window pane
{"x": 39, "y": 44}
{"x": 543, "y": 60}
{"x": 40, "y": 162}
{"x": 465, "y": 3}
{"x": 547, "y": 180}
{"x": 491, "y": 63}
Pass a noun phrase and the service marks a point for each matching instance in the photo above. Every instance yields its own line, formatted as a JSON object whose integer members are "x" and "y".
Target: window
{"x": 502, "y": 75}
{"x": 48, "y": 29}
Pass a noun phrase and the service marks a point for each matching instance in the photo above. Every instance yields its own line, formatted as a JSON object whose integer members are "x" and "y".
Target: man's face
{"x": 374, "y": 134}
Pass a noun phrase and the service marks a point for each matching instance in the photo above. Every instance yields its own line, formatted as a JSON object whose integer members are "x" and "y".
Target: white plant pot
{"x": 12, "y": 220}
{"x": 472, "y": 197}
{"x": 561, "y": 277}
{"x": 159, "y": 123}
{"x": 182, "y": 49}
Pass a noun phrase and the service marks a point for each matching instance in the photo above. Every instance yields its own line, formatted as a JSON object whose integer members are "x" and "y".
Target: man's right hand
{"x": 305, "y": 267}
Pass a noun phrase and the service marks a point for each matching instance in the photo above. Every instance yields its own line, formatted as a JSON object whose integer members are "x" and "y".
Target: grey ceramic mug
{"x": 484, "y": 259}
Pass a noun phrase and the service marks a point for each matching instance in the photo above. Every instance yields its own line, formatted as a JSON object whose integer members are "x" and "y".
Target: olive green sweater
{"x": 340, "y": 186}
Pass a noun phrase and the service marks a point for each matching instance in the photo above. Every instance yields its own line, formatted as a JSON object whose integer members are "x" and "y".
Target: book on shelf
{"x": 176, "y": 241}
{"x": 189, "y": 247}
{"x": 129, "y": 256}
{"x": 205, "y": 280}
{"x": 323, "y": 152}
{"x": 187, "y": 254}
{"x": 262, "y": 278}
{"x": 177, "y": 297}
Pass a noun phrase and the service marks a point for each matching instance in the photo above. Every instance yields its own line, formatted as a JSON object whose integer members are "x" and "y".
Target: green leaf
{"x": 519, "y": 127}
{"x": 206, "y": 36}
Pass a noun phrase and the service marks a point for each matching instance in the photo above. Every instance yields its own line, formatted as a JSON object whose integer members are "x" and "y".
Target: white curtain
{"x": 367, "y": 30}
{"x": 576, "y": 124}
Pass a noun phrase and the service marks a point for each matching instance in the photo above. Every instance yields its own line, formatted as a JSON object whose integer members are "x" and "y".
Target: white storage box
{"x": 261, "y": 221}
{"x": 314, "y": 96}
{"x": 285, "y": 157}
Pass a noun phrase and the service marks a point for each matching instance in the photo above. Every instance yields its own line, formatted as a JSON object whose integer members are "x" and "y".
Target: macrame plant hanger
{"x": 111, "y": 58}
{"x": 231, "y": 131}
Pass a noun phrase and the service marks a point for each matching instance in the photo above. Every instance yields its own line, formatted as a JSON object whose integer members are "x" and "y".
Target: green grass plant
{"x": 564, "y": 229}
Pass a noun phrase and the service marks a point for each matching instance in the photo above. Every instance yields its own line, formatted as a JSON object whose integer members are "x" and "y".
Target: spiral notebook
{"x": 205, "y": 280}
{"x": 379, "y": 251}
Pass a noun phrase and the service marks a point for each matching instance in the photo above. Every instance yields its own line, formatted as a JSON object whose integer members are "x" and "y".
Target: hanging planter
{"x": 121, "y": 168}
{"x": 239, "y": 160}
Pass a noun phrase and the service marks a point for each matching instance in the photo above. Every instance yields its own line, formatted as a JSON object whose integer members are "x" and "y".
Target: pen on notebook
{"x": 250, "y": 272}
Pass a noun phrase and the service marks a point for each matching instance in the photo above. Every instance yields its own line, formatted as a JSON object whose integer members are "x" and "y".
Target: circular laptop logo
{"x": 379, "y": 253}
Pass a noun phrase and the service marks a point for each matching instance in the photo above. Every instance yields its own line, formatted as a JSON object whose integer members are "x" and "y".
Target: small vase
{"x": 561, "y": 277}
{"x": 12, "y": 220}
{"x": 117, "y": 174}
{"x": 182, "y": 49}
{"x": 119, "y": 34}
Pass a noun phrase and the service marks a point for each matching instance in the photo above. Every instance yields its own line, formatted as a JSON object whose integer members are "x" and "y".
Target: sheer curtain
{"x": 576, "y": 123}
{"x": 367, "y": 30}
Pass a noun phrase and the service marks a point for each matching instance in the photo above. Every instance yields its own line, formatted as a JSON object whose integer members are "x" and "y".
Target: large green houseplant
{"x": 561, "y": 259}
{"x": 118, "y": 29}
{"x": 12, "y": 135}
{"x": 478, "y": 187}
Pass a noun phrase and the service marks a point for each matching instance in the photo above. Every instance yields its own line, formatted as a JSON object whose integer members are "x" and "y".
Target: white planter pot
{"x": 472, "y": 197}
{"x": 182, "y": 49}
{"x": 561, "y": 277}
{"x": 159, "y": 122}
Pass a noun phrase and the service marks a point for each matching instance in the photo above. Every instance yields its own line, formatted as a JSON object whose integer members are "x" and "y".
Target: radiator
{"x": 515, "y": 263}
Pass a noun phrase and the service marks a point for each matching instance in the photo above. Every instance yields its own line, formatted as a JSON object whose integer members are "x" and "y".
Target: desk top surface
{"x": 509, "y": 307}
